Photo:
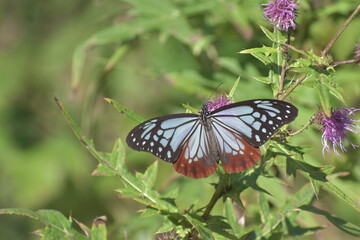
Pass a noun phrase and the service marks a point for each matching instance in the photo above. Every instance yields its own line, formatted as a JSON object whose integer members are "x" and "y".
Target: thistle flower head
{"x": 219, "y": 102}
{"x": 336, "y": 127}
{"x": 281, "y": 13}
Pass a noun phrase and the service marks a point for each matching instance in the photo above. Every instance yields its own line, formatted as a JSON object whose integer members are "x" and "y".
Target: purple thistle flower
{"x": 336, "y": 127}
{"x": 281, "y": 13}
{"x": 219, "y": 102}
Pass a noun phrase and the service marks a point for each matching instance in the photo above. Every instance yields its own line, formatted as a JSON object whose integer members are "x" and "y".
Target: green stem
{"x": 342, "y": 28}
{"x": 292, "y": 87}
{"x": 219, "y": 192}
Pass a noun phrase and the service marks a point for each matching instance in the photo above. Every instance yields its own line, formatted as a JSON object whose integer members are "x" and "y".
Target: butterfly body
{"x": 196, "y": 143}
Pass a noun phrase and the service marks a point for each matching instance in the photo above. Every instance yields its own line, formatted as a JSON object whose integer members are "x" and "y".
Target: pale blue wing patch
{"x": 164, "y": 136}
{"x": 255, "y": 120}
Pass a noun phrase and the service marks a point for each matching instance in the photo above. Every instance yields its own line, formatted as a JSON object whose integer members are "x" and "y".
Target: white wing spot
{"x": 279, "y": 118}
{"x": 263, "y": 118}
{"x": 287, "y": 111}
{"x": 152, "y": 144}
{"x": 271, "y": 122}
{"x": 159, "y": 132}
{"x": 156, "y": 138}
{"x": 143, "y": 143}
{"x": 257, "y": 138}
{"x": 160, "y": 149}
{"x": 168, "y": 154}
{"x": 134, "y": 139}
{"x": 263, "y": 130}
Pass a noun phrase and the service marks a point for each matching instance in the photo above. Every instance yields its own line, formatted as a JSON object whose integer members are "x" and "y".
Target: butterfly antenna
{"x": 213, "y": 92}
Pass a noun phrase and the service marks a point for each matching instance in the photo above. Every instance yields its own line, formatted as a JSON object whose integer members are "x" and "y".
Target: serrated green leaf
{"x": 127, "y": 192}
{"x": 337, "y": 191}
{"x": 148, "y": 212}
{"x": 262, "y": 50}
{"x": 263, "y": 54}
{"x": 338, "y": 222}
{"x": 291, "y": 228}
{"x": 151, "y": 174}
{"x": 122, "y": 109}
{"x": 111, "y": 162}
{"x": 200, "y": 227}
{"x": 89, "y": 145}
{"x": 303, "y": 197}
{"x": 171, "y": 192}
{"x": 270, "y": 35}
{"x": 220, "y": 229}
{"x": 57, "y": 225}
{"x": 231, "y": 217}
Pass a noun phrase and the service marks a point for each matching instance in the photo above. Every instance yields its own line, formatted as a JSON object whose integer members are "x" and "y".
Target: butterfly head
{"x": 204, "y": 112}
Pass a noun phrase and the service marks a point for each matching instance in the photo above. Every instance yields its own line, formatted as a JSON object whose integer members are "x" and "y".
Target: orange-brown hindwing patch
{"x": 242, "y": 159}
{"x": 195, "y": 165}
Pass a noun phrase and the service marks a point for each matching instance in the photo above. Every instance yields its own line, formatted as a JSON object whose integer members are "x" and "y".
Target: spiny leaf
{"x": 57, "y": 225}
{"x": 122, "y": 109}
{"x": 150, "y": 174}
{"x": 200, "y": 227}
{"x": 338, "y": 222}
{"x": 231, "y": 217}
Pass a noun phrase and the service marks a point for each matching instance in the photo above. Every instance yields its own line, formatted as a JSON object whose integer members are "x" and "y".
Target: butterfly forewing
{"x": 255, "y": 120}
{"x": 164, "y": 136}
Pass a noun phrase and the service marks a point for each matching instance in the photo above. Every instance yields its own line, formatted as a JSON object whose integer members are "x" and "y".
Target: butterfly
{"x": 196, "y": 143}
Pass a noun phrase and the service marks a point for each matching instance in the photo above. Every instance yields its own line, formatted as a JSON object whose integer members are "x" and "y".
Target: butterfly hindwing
{"x": 164, "y": 136}
{"x": 255, "y": 120}
{"x": 197, "y": 159}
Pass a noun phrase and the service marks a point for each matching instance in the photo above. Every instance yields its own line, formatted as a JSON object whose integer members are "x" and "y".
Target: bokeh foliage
{"x": 151, "y": 56}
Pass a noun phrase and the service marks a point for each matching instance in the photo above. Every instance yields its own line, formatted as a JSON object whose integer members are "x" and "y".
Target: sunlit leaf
{"x": 338, "y": 222}
{"x": 57, "y": 225}
{"x": 122, "y": 109}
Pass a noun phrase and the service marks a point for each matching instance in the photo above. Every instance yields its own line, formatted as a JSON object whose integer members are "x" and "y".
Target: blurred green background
{"x": 152, "y": 70}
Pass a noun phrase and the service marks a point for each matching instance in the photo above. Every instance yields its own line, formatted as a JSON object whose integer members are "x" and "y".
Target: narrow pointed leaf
{"x": 122, "y": 109}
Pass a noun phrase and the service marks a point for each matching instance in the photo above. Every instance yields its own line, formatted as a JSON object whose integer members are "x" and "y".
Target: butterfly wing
{"x": 164, "y": 136}
{"x": 255, "y": 121}
{"x": 198, "y": 157}
{"x": 235, "y": 153}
